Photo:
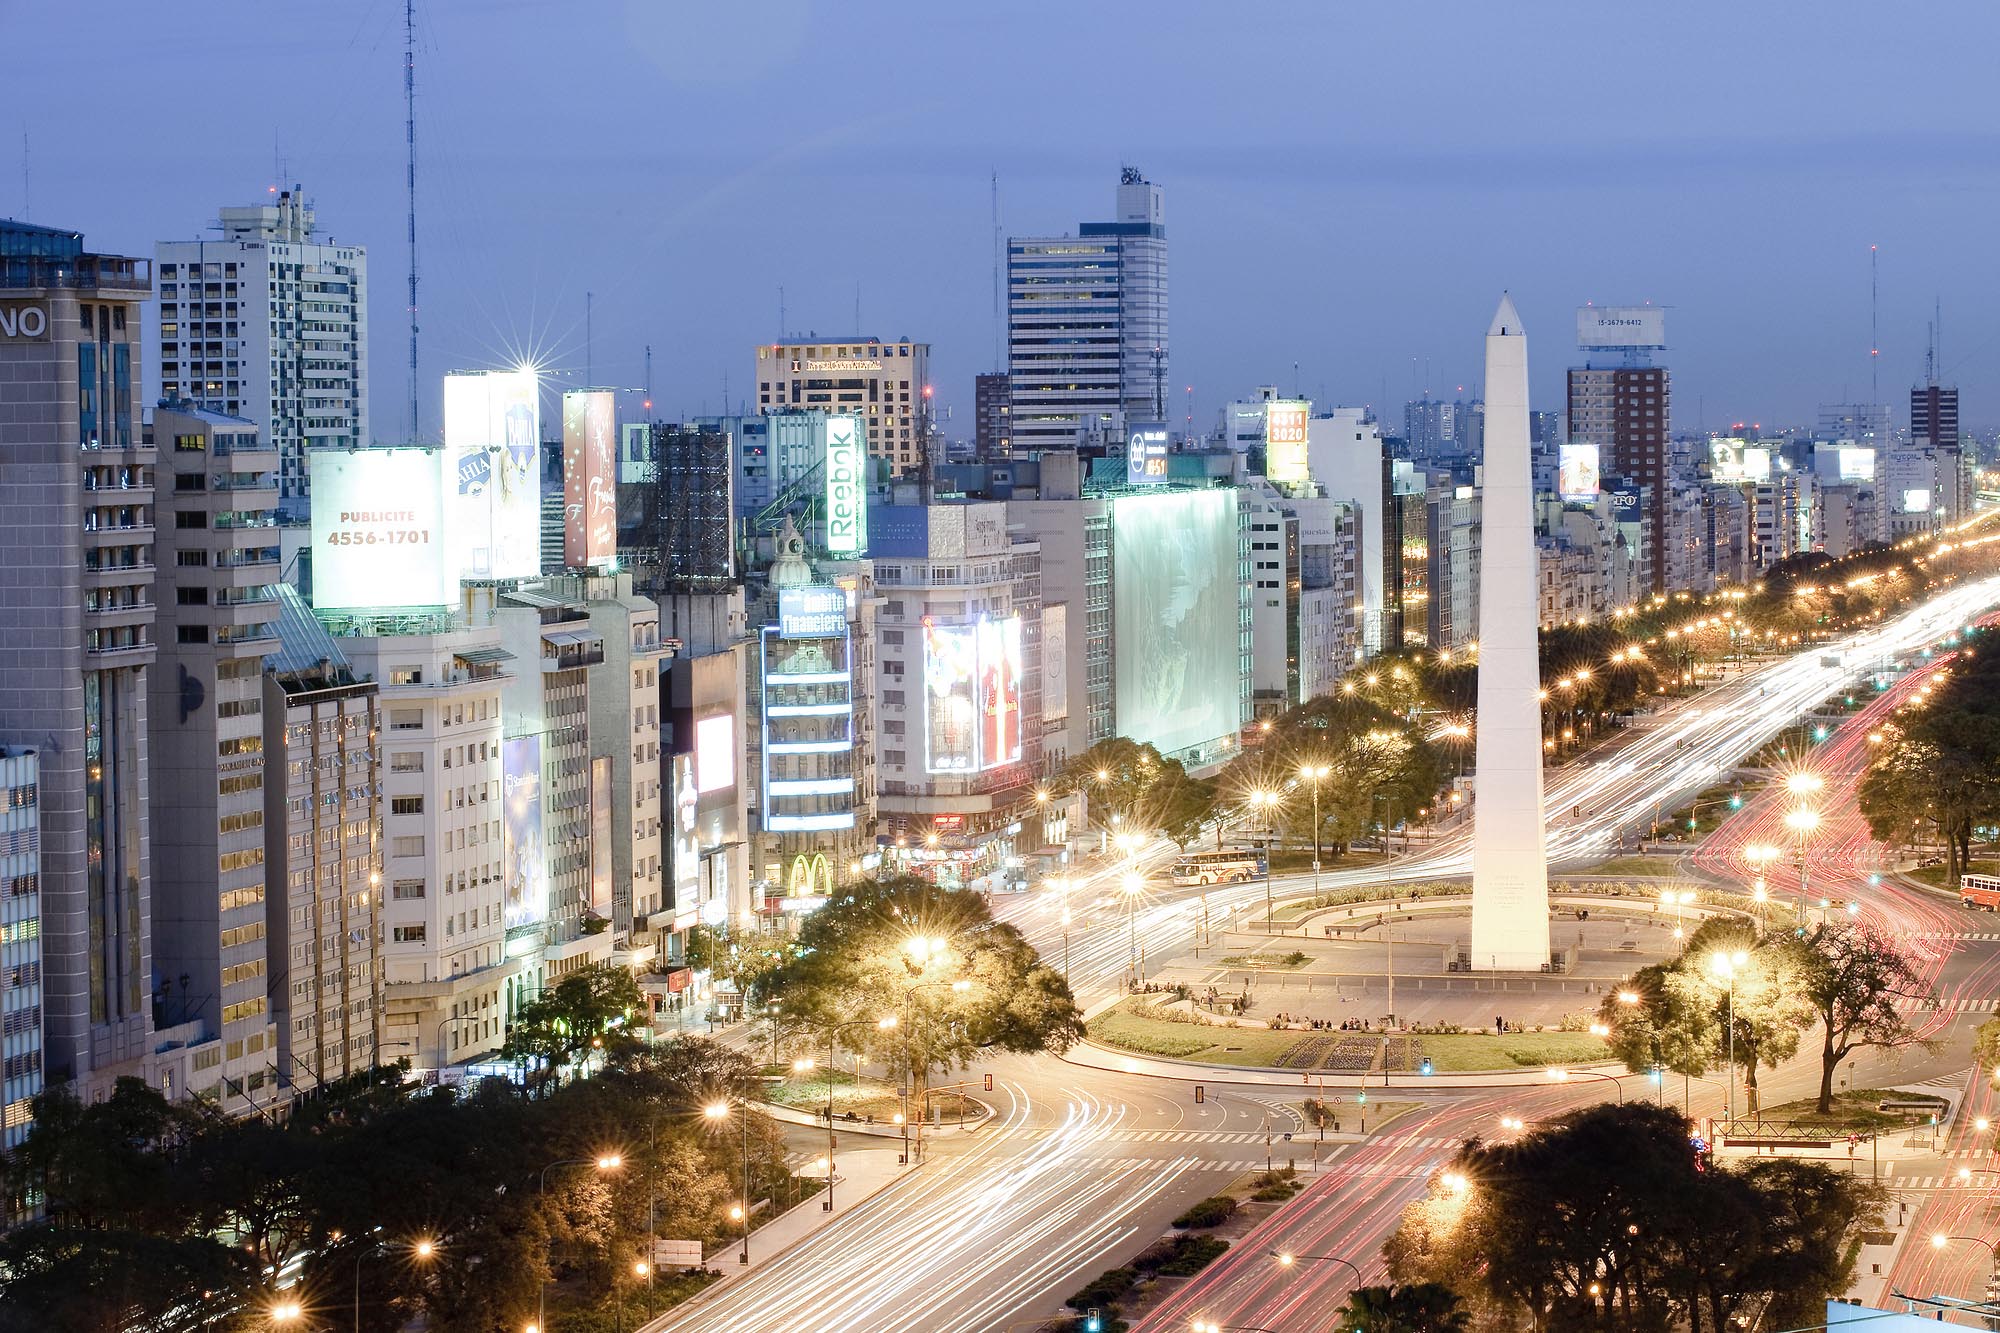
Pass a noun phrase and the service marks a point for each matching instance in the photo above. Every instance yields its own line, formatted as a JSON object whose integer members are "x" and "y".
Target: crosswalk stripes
{"x": 1989, "y": 1005}
{"x": 1277, "y": 1136}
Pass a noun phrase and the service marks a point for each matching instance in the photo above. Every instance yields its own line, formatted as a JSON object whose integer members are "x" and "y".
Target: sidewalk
{"x": 863, "y": 1174}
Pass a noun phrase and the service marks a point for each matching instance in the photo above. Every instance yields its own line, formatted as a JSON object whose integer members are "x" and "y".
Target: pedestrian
{"x": 1499, "y": 1025}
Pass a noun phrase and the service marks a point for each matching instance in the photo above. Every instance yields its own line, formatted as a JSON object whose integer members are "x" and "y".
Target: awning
{"x": 483, "y": 656}
{"x": 568, "y": 638}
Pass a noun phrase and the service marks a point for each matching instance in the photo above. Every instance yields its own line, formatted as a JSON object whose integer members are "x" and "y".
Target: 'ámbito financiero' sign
{"x": 846, "y": 492}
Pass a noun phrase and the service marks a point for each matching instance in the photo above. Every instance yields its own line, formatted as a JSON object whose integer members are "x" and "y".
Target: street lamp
{"x": 909, "y": 1068}
{"x": 1726, "y": 966}
{"x": 1315, "y": 774}
{"x": 1802, "y": 820}
{"x": 603, "y": 1162}
{"x": 716, "y": 1112}
{"x": 1134, "y": 886}
{"x": 1286, "y": 1259}
{"x": 1939, "y": 1240}
{"x": 1560, "y": 1075}
{"x": 1267, "y": 801}
{"x": 833, "y": 1031}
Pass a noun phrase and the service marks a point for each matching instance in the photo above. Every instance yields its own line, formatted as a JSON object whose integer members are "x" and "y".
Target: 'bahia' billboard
{"x": 1175, "y": 616}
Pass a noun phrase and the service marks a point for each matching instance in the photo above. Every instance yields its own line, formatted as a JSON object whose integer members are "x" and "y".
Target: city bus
{"x": 1225, "y": 867}
{"x": 1980, "y": 891}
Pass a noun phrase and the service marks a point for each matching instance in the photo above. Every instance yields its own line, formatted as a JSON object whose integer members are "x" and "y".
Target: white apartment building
{"x": 626, "y": 768}
{"x": 882, "y": 382}
{"x": 1087, "y": 324}
{"x": 445, "y": 876}
{"x": 270, "y": 323}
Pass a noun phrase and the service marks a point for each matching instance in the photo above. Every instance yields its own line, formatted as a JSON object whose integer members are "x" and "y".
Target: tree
{"x": 586, "y": 1010}
{"x": 1421, "y": 1307}
{"x": 1856, "y": 980}
{"x": 1606, "y": 1219}
{"x": 897, "y": 948}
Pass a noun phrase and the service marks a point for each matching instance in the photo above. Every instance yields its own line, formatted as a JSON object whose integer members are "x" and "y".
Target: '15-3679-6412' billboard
{"x": 590, "y": 495}
{"x": 378, "y": 530}
{"x": 1175, "y": 617}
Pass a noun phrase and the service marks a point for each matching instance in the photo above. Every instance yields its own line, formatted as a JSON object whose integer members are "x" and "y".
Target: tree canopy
{"x": 933, "y": 959}
{"x": 1607, "y": 1218}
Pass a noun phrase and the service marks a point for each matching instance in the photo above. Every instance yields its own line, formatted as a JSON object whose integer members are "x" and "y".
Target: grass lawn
{"x": 1934, "y": 875}
{"x": 1660, "y": 866}
{"x": 1274, "y": 961}
{"x": 1462, "y": 1051}
{"x": 866, "y": 1098}
{"x": 1854, "y": 1111}
{"x": 1128, "y": 1030}
{"x": 1341, "y": 1108}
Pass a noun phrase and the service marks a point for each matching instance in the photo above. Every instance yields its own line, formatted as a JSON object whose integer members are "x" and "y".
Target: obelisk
{"x": 1510, "y": 868}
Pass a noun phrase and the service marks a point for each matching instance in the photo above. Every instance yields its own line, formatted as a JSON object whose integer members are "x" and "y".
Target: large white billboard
{"x": 1177, "y": 642}
{"x": 846, "y": 486}
{"x": 492, "y": 437}
{"x": 1577, "y": 473}
{"x": 1621, "y": 326}
{"x": 1285, "y": 431}
{"x": 378, "y": 530}
{"x": 590, "y": 477}
{"x": 1734, "y": 460}
{"x": 1856, "y": 464}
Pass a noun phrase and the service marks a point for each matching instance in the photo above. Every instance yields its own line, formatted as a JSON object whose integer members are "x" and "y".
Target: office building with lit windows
{"x": 881, "y": 382}
{"x": 76, "y": 569}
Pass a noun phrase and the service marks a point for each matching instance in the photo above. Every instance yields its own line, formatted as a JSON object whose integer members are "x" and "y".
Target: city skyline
{"x": 1342, "y": 242}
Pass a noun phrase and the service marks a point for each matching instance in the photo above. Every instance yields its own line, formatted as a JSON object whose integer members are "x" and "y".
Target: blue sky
{"x": 1348, "y": 186}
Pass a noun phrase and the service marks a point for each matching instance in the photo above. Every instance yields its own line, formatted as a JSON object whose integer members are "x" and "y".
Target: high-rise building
{"x": 270, "y": 322}
{"x": 885, "y": 383}
{"x": 20, "y": 944}
{"x": 323, "y": 853}
{"x": 217, "y": 552}
{"x": 1619, "y": 401}
{"x": 76, "y": 587}
{"x": 1934, "y": 414}
{"x": 1087, "y": 324}
{"x": 993, "y": 435}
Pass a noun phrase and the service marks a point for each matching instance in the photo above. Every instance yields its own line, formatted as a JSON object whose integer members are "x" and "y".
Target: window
{"x": 407, "y": 761}
{"x": 408, "y": 888}
{"x": 406, "y": 846}
{"x": 410, "y": 934}
{"x": 406, "y": 805}
{"x": 406, "y": 719}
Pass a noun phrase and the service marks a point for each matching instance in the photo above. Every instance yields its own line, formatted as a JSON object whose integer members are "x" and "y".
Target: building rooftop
{"x": 306, "y": 652}
{"x": 204, "y": 413}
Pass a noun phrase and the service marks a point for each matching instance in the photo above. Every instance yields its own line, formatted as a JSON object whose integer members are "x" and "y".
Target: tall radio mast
{"x": 410, "y": 144}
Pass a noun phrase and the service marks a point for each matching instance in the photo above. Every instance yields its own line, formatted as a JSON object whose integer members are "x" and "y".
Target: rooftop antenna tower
{"x": 589, "y": 301}
{"x": 999, "y": 357}
{"x": 649, "y": 377}
{"x": 1874, "y": 347}
{"x": 1159, "y": 383}
{"x": 781, "y": 323}
{"x": 410, "y": 185}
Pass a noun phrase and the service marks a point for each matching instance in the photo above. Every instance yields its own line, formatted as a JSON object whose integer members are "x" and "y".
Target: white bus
{"x": 1224, "y": 867}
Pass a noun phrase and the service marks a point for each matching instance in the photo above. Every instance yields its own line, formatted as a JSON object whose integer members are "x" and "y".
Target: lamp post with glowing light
{"x": 604, "y": 1162}
{"x": 1267, "y": 801}
{"x": 928, "y": 950}
{"x": 1135, "y": 967}
{"x": 1939, "y": 1240}
{"x": 1802, "y": 821}
{"x": 1725, "y": 966}
{"x": 1315, "y": 774}
{"x": 716, "y": 1112}
{"x": 833, "y": 1031}
{"x": 1560, "y": 1075}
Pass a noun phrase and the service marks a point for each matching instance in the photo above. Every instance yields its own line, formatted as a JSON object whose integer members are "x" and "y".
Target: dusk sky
{"x": 1348, "y": 187}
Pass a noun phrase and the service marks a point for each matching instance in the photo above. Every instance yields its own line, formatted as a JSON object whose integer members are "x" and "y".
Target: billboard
{"x": 1055, "y": 663}
{"x": 1624, "y": 504}
{"x": 951, "y": 732}
{"x": 1178, "y": 645}
{"x": 600, "y": 837}
{"x": 1576, "y": 473}
{"x": 524, "y": 872}
{"x": 687, "y": 840}
{"x": 1146, "y": 454}
{"x": 1285, "y": 440}
{"x": 812, "y": 613}
{"x": 492, "y": 438}
{"x": 1856, "y": 464}
{"x": 714, "y": 753}
{"x": 1737, "y": 460}
{"x": 378, "y": 530}
{"x": 1621, "y": 326}
{"x": 846, "y": 486}
{"x": 590, "y": 479}
{"x": 1917, "y": 501}
{"x": 999, "y": 691}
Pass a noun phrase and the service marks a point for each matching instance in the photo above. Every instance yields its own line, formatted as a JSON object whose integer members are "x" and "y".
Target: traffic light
{"x": 1200, "y": 1094}
{"x": 989, "y": 1082}
{"x": 1735, "y": 800}
{"x": 1576, "y": 812}
{"x": 1426, "y": 1067}
{"x": 1093, "y": 1322}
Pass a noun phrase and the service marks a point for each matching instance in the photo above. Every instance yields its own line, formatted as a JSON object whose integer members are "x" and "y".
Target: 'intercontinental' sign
{"x": 832, "y": 366}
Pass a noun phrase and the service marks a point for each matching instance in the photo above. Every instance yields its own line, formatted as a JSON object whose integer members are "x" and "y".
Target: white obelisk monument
{"x": 1510, "y": 868}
